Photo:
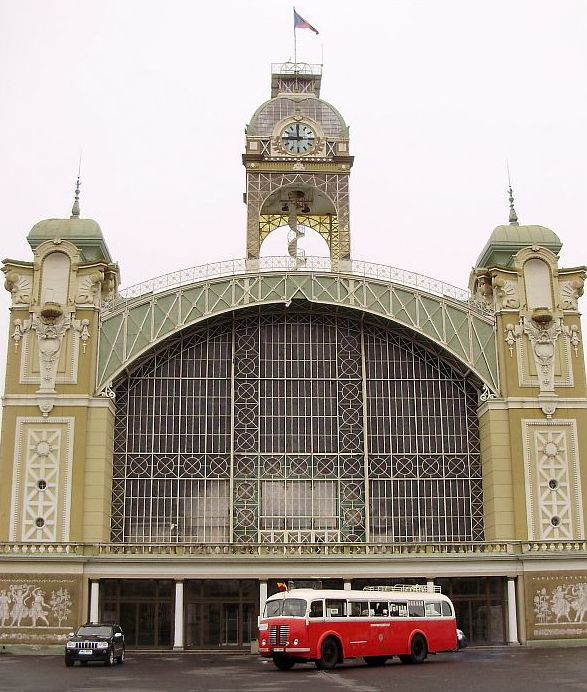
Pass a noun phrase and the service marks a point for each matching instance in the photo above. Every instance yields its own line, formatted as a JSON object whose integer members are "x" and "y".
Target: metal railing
{"x": 358, "y": 268}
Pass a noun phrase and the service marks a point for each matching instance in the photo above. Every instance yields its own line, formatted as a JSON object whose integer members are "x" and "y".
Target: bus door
{"x": 360, "y": 633}
{"x": 400, "y": 625}
{"x": 380, "y": 626}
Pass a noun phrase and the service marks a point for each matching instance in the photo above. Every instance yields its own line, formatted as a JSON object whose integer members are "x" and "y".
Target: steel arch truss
{"x": 131, "y": 328}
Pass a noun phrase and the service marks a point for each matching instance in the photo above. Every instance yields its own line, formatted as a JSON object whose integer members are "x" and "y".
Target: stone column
{"x": 512, "y": 614}
{"x": 262, "y": 595}
{"x": 178, "y": 629}
{"x": 347, "y": 586}
{"x": 94, "y": 601}
{"x": 430, "y": 585}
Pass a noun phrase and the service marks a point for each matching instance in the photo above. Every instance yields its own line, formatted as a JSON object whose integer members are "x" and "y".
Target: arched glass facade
{"x": 296, "y": 425}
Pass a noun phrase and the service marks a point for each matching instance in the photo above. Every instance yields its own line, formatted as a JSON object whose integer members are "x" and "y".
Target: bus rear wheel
{"x": 329, "y": 654}
{"x": 418, "y": 649}
{"x": 283, "y": 662}
{"x": 375, "y": 660}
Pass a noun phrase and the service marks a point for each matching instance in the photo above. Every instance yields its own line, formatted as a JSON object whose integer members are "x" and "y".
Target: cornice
{"x": 71, "y": 400}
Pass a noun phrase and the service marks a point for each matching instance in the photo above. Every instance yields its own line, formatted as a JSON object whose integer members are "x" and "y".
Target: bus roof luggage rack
{"x": 404, "y": 587}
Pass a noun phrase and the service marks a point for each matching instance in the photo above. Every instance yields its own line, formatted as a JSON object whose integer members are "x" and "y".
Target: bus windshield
{"x": 295, "y": 607}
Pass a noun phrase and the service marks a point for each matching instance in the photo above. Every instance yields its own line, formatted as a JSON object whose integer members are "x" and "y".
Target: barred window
{"x": 296, "y": 425}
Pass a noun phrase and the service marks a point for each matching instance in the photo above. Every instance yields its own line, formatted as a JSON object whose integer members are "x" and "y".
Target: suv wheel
{"x": 68, "y": 662}
{"x": 120, "y": 659}
{"x": 110, "y": 660}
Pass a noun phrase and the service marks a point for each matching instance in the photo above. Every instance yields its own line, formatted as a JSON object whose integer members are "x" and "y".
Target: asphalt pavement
{"x": 473, "y": 670}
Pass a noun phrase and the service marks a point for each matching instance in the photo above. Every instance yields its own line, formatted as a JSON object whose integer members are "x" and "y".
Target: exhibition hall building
{"x": 172, "y": 451}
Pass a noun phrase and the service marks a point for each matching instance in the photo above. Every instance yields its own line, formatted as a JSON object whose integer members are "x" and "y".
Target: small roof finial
{"x": 75, "y": 208}
{"x": 513, "y": 217}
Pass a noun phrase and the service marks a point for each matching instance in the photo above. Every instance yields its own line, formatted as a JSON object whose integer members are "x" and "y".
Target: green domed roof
{"x": 85, "y": 234}
{"x": 507, "y": 240}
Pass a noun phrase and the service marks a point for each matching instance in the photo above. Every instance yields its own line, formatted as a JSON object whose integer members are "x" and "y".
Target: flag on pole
{"x": 301, "y": 23}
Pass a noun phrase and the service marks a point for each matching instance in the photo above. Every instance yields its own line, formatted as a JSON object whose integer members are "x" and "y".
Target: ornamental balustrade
{"x": 368, "y": 550}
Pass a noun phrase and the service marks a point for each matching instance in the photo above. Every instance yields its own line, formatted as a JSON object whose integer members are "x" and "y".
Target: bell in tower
{"x": 297, "y": 166}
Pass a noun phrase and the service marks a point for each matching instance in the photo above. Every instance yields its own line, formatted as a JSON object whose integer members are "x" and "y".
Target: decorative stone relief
{"x": 553, "y": 483}
{"x": 571, "y": 291}
{"x": 506, "y": 294}
{"x": 542, "y": 337}
{"x": 17, "y": 333}
{"x": 20, "y": 287}
{"x": 88, "y": 290}
{"x": 557, "y": 606}
{"x": 50, "y": 332}
{"x": 42, "y": 478}
{"x": 38, "y": 609}
{"x": 50, "y": 336}
{"x": 484, "y": 289}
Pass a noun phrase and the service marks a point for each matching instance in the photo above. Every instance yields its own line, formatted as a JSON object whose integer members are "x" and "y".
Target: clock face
{"x": 298, "y": 138}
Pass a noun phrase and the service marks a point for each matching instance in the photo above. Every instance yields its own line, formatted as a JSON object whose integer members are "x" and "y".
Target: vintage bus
{"x": 329, "y": 626}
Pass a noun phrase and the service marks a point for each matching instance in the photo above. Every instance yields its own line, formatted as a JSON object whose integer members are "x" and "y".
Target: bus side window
{"x": 416, "y": 609}
{"x": 335, "y": 608}
{"x": 379, "y": 609}
{"x": 432, "y": 609}
{"x": 317, "y": 609}
{"x": 446, "y": 609}
{"x": 397, "y": 609}
{"x": 359, "y": 609}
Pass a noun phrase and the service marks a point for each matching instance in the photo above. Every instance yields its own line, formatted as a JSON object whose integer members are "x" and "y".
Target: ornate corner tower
{"x": 533, "y": 429}
{"x": 56, "y": 451}
{"x": 297, "y": 165}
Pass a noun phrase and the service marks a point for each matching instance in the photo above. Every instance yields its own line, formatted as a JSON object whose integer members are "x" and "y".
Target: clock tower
{"x": 297, "y": 166}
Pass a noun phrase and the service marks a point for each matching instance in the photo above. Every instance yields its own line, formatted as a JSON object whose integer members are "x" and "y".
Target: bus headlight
{"x": 263, "y": 643}
{"x": 263, "y": 627}
{"x": 296, "y": 642}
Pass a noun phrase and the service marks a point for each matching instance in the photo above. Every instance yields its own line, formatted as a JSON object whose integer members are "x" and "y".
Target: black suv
{"x": 95, "y": 641}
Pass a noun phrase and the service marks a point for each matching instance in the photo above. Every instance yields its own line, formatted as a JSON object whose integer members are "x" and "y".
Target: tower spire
{"x": 75, "y": 208}
{"x": 513, "y": 217}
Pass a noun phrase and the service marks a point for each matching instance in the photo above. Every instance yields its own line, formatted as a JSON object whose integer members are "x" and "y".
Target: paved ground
{"x": 473, "y": 670}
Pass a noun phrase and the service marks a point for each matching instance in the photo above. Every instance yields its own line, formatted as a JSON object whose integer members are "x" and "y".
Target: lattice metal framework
{"x": 294, "y": 425}
{"x": 272, "y": 112}
{"x": 452, "y": 321}
{"x": 335, "y": 186}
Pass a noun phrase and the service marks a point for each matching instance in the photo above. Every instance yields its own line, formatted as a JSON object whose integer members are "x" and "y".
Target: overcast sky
{"x": 439, "y": 94}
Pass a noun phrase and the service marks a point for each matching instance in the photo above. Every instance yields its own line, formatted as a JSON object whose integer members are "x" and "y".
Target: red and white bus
{"x": 329, "y": 626}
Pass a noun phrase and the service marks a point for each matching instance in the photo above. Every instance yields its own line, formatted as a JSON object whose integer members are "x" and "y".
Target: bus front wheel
{"x": 418, "y": 650}
{"x": 283, "y": 662}
{"x": 329, "y": 654}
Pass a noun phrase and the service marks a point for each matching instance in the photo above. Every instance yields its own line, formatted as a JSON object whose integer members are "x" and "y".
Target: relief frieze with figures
{"x": 38, "y": 610}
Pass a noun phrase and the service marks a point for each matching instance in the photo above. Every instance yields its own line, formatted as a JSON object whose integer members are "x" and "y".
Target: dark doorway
{"x": 221, "y": 613}
{"x": 143, "y": 608}
{"x": 480, "y": 606}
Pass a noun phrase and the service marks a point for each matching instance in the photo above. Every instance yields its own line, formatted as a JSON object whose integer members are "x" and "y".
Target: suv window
{"x": 94, "y": 631}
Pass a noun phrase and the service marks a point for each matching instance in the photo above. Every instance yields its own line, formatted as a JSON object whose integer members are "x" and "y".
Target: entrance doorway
{"x": 143, "y": 608}
{"x": 480, "y": 607}
{"x": 221, "y": 614}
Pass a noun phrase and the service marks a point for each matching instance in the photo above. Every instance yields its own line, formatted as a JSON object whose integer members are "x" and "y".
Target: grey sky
{"x": 438, "y": 94}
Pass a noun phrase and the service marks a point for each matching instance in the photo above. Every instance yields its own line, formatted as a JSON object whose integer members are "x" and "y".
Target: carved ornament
{"x": 506, "y": 294}
{"x": 571, "y": 291}
{"x": 542, "y": 335}
{"x": 88, "y": 290}
{"x": 20, "y": 287}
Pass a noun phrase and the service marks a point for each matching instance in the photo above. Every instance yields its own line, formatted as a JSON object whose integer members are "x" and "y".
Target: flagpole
{"x": 295, "y": 44}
